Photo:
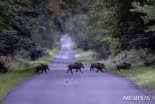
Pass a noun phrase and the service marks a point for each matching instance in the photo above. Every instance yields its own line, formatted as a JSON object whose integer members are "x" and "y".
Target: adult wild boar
{"x": 98, "y": 66}
{"x": 42, "y": 68}
{"x": 123, "y": 66}
{"x": 76, "y": 66}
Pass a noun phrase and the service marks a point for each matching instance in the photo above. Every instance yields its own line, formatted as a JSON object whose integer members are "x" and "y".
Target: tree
{"x": 147, "y": 39}
{"x": 22, "y": 21}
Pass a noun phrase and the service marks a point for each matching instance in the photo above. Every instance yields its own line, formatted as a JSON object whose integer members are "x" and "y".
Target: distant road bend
{"x": 58, "y": 87}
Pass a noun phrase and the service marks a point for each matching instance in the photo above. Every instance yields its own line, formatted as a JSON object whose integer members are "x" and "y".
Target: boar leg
{"x": 71, "y": 71}
{"x": 76, "y": 70}
{"x": 115, "y": 70}
{"x": 119, "y": 69}
{"x": 97, "y": 70}
{"x": 80, "y": 71}
{"x": 102, "y": 70}
{"x": 67, "y": 71}
{"x": 42, "y": 70}
{"x": 46, "y": 71}
{"x": 37, "y": 72}
{"x": 90, "y": 68}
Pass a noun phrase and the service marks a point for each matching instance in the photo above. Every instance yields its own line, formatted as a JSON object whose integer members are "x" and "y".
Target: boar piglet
{"x": 76, "y": 66}
{"x": 98, "y": 66}
{"x": 123, "y": 66}
{"x": 42, "y": 68}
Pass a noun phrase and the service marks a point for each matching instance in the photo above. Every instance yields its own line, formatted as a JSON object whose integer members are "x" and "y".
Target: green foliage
{"x": 76, "y": 26}
{"x": 102, "y": 25}
{"x": 143, "y": 75}
{"x": 6, "y": 16}
{"x": 148, "y": 10}
{"x": 27, "y": 25}
{"x": 112, "y": 25}
{"x": 11, "y": 79}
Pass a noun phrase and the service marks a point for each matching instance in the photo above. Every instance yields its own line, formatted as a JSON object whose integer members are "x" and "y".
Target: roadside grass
{"x": 20, "y": 71}
{"x": 11, "y": 79}
{"x": 143, "y": 75}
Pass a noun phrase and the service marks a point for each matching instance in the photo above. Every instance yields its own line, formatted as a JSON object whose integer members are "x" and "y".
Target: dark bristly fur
{"x": 98, "y": 66}
{"x": 76, "y": 66}
{"x": 123, "y": 66}
{"x": 42, "y": 68}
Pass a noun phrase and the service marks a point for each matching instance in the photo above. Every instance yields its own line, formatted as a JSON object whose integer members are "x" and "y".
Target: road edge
{"x": 145, "y": 90}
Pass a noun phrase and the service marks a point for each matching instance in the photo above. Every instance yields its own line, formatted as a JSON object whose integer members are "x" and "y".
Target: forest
{"x": 29, "y": 27}
{"x": 115, "y": 30}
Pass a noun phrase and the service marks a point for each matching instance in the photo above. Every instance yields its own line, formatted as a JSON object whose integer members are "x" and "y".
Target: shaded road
{"x": 58, "y": 87}
{"x": 65, "y": 56}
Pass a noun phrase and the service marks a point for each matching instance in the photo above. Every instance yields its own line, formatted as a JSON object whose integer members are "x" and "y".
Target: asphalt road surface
{"x": 59, "y": 87}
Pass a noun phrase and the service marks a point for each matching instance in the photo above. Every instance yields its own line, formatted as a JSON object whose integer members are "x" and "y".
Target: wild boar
{"x": 42, "y": 68}
{"x": 76, "y": 66}
{"x": 98, "y": 66}
{"x": 123, "y": 66}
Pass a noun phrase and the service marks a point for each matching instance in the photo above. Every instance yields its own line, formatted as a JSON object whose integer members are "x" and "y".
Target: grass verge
{"x": 143, "y": 75}
{"x": 20, "y": 71}
{"x": 11, "y": 79}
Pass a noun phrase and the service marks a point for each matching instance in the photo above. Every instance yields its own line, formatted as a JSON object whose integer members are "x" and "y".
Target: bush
{"x": 31, "y": 54}
{"x": 36, "y": 53}
{"x": 149, "y": 59}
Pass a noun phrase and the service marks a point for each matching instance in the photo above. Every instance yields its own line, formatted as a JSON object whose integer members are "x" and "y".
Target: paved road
{"x": 58, "y": 87}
